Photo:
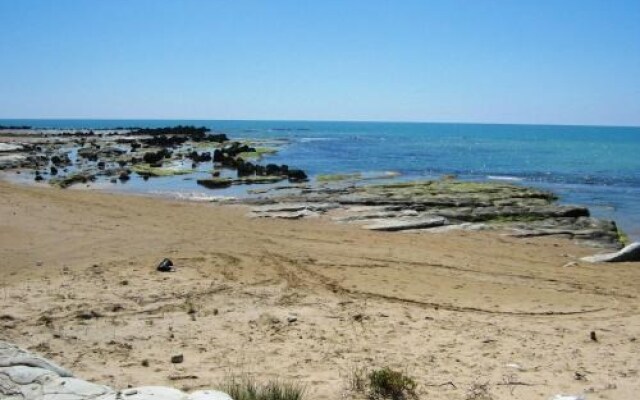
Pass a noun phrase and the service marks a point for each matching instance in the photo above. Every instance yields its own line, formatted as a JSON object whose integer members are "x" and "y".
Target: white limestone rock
{"x": 629, "y": 253}
{"x": 401, "y": 224}
{"x": 25, "y": 376}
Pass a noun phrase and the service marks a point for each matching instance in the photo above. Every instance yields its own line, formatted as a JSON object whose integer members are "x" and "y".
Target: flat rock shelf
{"x": 430, "y": 206}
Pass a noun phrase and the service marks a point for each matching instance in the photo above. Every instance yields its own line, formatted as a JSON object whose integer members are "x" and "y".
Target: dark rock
{"x": 164, "y": 141}
{"x": 60, "y": 161}
{"x": 177, "y": 359}
{"x": 165, "y": 265}
{"x": 124, "y": 176}
{"x": 217, "y": 138}
{"x": 245, "y": 169}
{"x": 88, "y": 315}
{"x": 202, "y": 157}
{"x": 296, "y": 175}
{"x": 67, "y": 181}
{"x": 273, "y": 169}
{"x": 215, "y": 183}
{"x": 218, "y": 156}
{"x": 156, "y": 157}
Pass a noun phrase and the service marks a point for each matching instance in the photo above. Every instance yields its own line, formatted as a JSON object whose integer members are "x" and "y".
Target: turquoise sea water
{"x": 594, "y": 166}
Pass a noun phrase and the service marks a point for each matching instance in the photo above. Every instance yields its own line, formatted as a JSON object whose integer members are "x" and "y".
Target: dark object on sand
{"x": 593, "y": 336}
{"x": 177, "y": 359}
{"x": 165, "y": 265}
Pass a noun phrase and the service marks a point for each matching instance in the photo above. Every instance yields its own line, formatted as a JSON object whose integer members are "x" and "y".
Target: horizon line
{"x": 593, "y": 125}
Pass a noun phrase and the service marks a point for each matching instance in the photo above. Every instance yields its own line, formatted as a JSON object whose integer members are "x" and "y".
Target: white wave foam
{"x": 315, "y": 139}
{"x": 505, "y": 178}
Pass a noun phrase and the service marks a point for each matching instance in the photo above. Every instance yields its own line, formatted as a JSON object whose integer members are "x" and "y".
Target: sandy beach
{"x": 307, "y": 301}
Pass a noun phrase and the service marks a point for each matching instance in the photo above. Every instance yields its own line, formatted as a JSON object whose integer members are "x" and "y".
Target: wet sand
{"x": 454, "y": 310}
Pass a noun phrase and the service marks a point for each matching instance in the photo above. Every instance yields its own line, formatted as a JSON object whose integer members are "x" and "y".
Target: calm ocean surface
{"x": 594, "y": 166}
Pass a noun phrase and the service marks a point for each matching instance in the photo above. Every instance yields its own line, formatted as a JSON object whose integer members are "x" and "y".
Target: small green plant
{"x": 386, "y": 383}
{"x": 623, "y": 237}
{"x": 247, "y": 388}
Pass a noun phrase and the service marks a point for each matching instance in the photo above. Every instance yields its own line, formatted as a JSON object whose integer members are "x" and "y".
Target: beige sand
{"x": 453, "y": 310}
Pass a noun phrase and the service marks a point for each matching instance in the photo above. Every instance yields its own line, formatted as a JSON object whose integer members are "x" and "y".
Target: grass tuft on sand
{"x": 386, "y": 383}
{"x": 247, "y": 388}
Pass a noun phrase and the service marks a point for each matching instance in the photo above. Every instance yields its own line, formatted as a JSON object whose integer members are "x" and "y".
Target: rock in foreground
{"x": 628, "y": 254}
{"x": 25, "y": 376}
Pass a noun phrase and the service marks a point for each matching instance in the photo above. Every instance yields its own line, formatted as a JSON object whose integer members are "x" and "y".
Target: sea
{"x": 595, "y": 166}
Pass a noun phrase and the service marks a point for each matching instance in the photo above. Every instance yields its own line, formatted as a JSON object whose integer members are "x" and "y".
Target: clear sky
{"x": 509, "y": 61}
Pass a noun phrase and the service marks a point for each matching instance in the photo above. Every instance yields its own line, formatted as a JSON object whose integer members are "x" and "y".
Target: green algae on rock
{"x": 66, "y": 181}
{"x": 338, "y": 177}
{"x": 258, "y": 152}
{"x": 148, "y": 170}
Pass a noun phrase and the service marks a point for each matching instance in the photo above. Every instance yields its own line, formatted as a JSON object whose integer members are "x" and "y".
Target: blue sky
{"x": 517, "y": 61}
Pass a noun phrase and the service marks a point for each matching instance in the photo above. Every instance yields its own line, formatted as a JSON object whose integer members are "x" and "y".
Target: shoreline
{"x": 458, "y": 306}
{"x": 181, "y": 162}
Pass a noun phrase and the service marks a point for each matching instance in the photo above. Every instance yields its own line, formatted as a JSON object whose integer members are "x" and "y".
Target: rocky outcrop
{"x": 96, "y": 154}
{"x": 627, "y": 254}
{"x": 26, "y": 376}
{"x": 424, "y": 205}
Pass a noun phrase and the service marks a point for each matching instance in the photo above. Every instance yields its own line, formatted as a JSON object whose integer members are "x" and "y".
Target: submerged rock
{"x": 215, "y": 183}
{"x": 296, "y": 175}
{"x": 69, "y": 180}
